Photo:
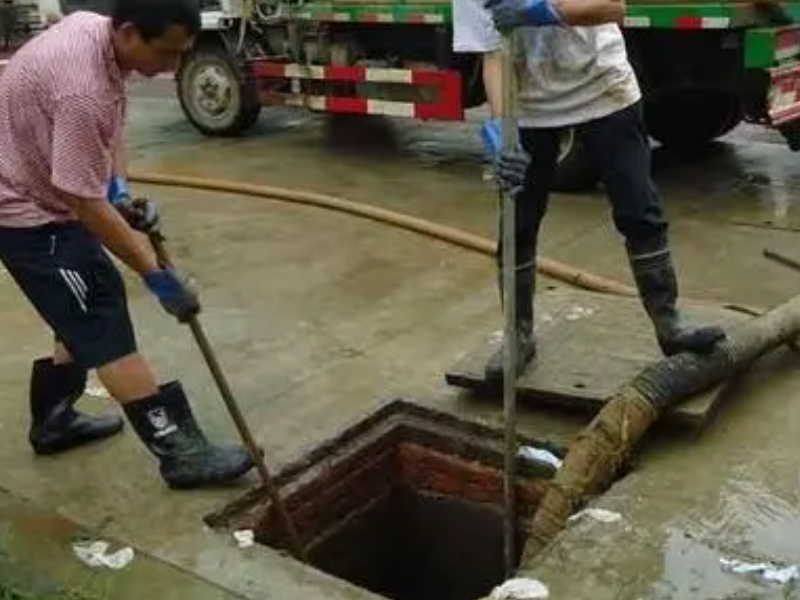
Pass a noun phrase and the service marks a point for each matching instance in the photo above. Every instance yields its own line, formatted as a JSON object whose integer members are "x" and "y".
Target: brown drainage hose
{"x": 551, "y": 268}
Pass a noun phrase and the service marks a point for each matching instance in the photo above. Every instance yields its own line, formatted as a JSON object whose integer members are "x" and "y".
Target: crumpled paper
{"x": 95, "y": 554}
{"x": 598, "y": 514}
{"x": 245, "y": 538}
{"x": 540, "y": 455}
{"x": 520, "y": 588}
{"x": 766, "y": 571}
{"x": 575, "y": 313}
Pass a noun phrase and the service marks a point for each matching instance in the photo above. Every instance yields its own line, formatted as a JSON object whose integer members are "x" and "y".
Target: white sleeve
{"x": 473, "y": 28}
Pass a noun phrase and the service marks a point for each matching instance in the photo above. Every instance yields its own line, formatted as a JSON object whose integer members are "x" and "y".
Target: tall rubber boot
{"x": 653, "y": 270}
{"x": 167, "y": 427}
{"x": 526, "y": 342}
{"x": 56, "y": 426}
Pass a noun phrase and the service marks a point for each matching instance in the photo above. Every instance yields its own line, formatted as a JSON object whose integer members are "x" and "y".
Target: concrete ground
{"x": 318, "y": 317}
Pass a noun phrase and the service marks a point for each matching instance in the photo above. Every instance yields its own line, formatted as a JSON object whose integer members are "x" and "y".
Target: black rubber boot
{"x": 526, "y": 342}
{"x": 56, "y": 426}
{"x": 167, "y": 427}
{"x": 652, "y": 267}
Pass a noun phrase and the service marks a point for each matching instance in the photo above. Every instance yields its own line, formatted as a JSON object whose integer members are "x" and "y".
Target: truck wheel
{"x": 575, "y": 172}
{"x": 693, "y": 118}
{"x": 214, "y": 94}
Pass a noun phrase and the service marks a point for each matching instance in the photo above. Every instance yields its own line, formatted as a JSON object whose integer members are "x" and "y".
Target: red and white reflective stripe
{"x": 378, "y": 18}
{"x": 448, "y": 84}
{"x": 423, "y": 18}
{"x": 263, "y": 69}
{"x": 688, "y": 22}
{"x": 702, "y": 22}
{"x": 784, "y": 95}
{"x": 366, "y": 106}
{"x": 356, "y": 74}
{"x": 359, "y": 106}
{"x": 788, "y": 44}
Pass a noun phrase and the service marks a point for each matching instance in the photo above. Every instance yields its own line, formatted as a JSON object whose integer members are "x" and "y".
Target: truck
{"x": 704, "y": 67}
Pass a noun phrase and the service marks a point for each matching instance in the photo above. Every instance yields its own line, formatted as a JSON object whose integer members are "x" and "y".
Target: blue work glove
{"x": 508, "y": 14}
{"x": 492, "y": 137}
{"x": 174, "y": 293}
{"x": 511, "y": 170}
{"x": 118, "y": 189}
{"x": 141, "y": 214}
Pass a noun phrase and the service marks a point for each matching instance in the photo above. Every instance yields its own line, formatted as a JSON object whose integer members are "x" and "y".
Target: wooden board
{"x": 589, "y": 346}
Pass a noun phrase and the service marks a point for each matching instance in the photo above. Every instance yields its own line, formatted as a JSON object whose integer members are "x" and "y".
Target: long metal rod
{"x": 157, "y": 241}
{"x": 510, "y": 305}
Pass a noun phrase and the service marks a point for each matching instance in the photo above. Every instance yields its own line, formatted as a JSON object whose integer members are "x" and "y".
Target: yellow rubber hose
{"x": 551, "y": 268}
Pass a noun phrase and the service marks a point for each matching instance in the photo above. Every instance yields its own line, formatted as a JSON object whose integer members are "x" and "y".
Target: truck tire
{"x": 576, "y": 172}
{"x": 214, "y": 93}
{"x": 691, "y": 119}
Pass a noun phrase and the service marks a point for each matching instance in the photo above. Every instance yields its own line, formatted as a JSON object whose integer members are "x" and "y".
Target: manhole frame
{"x": 405, "y": 420}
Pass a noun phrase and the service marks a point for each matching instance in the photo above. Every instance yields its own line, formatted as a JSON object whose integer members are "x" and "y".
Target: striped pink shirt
{"x": 62, "y": 110}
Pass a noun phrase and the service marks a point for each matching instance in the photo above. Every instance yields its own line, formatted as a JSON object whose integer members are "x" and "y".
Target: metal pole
{"x": 157, "y": 241}
{"x": 510, "y": 305}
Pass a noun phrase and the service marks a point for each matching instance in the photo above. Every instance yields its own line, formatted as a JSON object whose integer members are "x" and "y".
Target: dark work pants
{"x": 619, "y": 147}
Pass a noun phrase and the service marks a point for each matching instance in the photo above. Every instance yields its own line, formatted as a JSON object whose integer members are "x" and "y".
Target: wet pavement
{"x": 37, "y": 556}
{"x": 318, "y": 317}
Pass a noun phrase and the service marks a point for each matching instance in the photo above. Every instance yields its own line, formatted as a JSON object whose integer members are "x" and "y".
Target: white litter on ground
{"x": 767, "y": 571}
{"x": 598, "y": 514}
{"x": 95, "y": 555}
{"x": 496, "y": 337}
{"x": 578, "y": 312}
{"x": 539, "y": 455}
{"x": 245, "y": 538}
{"x": 520, "y": 589}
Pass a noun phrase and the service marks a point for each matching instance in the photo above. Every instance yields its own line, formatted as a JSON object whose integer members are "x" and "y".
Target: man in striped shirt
{"x": 62, "y": 109}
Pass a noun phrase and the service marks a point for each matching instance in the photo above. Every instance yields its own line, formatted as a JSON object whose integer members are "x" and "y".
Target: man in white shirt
{"x": 574, "y": 72}
{"x": 474, "y": 32}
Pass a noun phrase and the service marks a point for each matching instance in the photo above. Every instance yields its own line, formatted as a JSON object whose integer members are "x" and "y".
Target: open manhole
{"x": 407, "y": 503}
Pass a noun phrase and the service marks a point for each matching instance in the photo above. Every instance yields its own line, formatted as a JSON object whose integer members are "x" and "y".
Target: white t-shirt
{"x": 567, "y": 75}
{"x": 473, "y": 29}
{"x": 572, "y": 75}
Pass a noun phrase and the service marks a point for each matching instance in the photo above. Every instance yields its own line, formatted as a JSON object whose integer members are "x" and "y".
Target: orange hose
{"x": 551, "y": 268}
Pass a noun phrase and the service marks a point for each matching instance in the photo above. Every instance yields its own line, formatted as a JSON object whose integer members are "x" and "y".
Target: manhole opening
{"x": 407, "y": 503}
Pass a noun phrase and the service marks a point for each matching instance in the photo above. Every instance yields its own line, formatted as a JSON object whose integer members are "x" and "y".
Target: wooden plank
{"x": 589, "y": 346}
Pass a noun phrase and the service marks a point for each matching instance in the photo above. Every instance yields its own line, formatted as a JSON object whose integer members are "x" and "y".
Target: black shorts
{"x": 70, "y": 280}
